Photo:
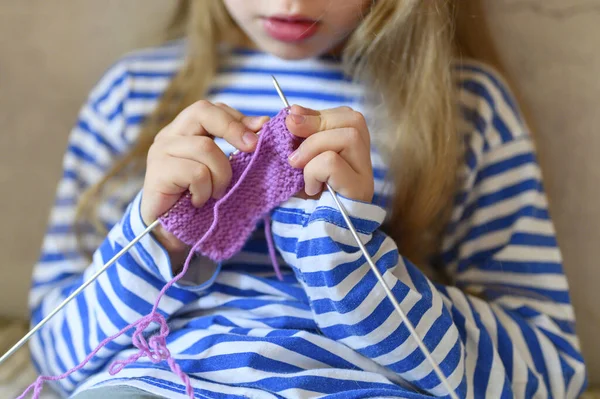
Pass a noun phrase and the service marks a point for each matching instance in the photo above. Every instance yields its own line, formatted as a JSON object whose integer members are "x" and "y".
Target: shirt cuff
{"x": 365, "y": 216}
{"x": 151, "y": 254}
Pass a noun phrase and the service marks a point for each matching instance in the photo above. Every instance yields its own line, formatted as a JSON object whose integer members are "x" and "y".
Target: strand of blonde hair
{"x": 402, "y": 51}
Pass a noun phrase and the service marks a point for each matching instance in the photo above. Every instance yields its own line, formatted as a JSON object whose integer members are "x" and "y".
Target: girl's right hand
{"x": 185, "y": 157}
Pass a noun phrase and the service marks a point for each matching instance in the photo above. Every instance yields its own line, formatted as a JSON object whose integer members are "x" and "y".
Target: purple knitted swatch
{"x": 261, "y": 181}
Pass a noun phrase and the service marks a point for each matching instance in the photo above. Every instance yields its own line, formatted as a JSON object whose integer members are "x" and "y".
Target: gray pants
{"x": 116, "y": 392}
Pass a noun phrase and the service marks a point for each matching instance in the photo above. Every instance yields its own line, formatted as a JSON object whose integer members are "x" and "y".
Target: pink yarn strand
{"x": 155, "y": 348}
{"x": 271, "y": 247}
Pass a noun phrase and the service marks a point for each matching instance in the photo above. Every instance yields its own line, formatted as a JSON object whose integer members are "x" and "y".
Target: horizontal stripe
{"x": 326, "y": 328}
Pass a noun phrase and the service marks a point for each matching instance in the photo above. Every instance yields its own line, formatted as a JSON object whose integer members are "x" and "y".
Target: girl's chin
{"x": 291, "y": 51}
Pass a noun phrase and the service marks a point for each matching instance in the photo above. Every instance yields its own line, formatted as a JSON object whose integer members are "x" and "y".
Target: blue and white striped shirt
{"x": 327, "y": 330}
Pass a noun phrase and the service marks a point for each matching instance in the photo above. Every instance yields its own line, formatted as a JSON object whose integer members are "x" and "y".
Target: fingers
{"x": 179, "y": 175}
{"x": 329, "y": 167}
{"x": 304, "y": 122}
{"x": 254, "y": 123}
{"x": 205, "y": 118}
{"x": 184, "y": 157}
{"x": 202, "y": 149}
{"x": 345, "y": 141}
{"x": 336, "y": 150}
{"x": 200, "y": 179}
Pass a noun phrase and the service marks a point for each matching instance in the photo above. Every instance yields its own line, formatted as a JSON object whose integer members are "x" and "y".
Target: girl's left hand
{"x": 336, "y": 150}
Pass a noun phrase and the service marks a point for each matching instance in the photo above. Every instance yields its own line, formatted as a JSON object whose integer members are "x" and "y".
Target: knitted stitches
{"x": 260, "y": 181}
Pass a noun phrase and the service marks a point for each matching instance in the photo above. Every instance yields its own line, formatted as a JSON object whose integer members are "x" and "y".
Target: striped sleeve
{"x": 348, "y": 304}
{"x": 128, "y": 289}
{"x": 505, "y": 328}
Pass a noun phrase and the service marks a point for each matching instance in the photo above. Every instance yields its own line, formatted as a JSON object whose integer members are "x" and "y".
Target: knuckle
{"x": 358, "y": 118}
{"x": 192, "y": 111}
{"x": 235, "y": 128}
{"x": 201, "y": 105}
{"x": 200, "y": 174}
{"x": 353, "y": 135}
{"x": 220, "y": 183}
{"x": 154, "y": 150}
{"x": 331, "y": 159}
{"x": 345, "y": 108}
{"x": 159, "y": 135}
{"x": 204, "y": 144}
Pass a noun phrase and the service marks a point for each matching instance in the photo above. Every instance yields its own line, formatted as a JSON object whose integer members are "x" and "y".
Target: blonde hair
{"x": 403, "y": 51}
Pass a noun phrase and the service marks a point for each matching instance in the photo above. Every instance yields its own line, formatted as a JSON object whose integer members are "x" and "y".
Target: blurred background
{"x": 52, "y": 52}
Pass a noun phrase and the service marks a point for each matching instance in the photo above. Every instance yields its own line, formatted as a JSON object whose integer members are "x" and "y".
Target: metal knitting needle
{"x": 68, "y": 299}
{"x": 64, "y": 303}
{"x": 388, "y": 292}
{"x": 346, "y": 218}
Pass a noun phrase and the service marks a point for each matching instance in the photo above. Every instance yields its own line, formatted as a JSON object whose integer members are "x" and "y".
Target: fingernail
{"x": 303, "y": 108}
{"x": 298, "y": 119}
{"x": 249, "y": 138}
{"x": 294, "y": 155}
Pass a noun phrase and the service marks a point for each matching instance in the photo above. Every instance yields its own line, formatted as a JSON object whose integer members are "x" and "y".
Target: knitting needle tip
{"x": 281, "y": 95}
{"x": 285, "y": 101}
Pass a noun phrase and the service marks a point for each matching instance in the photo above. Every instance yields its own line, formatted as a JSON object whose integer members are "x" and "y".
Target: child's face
{"x": 295, "y": 29}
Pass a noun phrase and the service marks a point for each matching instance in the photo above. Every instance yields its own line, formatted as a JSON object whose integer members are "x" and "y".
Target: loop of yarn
{"x": 264, "y": 179}
{"x": 154, "y": 349}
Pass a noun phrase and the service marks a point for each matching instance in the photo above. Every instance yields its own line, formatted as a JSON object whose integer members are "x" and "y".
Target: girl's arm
{"x": 519, "y": 341}
{"x": 127, "y": 291}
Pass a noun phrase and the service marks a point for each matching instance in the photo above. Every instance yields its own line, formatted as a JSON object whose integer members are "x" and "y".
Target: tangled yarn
{"x": 260, "y": 181}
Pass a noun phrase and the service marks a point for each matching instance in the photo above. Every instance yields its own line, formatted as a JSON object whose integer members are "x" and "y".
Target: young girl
{"x": 429, "y": 154}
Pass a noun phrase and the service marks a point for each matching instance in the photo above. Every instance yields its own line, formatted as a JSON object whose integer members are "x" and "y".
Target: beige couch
{"x": 53, "y": 51}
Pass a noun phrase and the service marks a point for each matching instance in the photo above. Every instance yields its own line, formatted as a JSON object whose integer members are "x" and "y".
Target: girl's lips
{"x": 290, "y": 29}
